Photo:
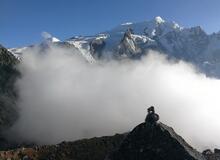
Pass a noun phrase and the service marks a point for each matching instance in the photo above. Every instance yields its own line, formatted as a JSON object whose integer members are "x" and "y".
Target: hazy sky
{"x": 22, "y": 21}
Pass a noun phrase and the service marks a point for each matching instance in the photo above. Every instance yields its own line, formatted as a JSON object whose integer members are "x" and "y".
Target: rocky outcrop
{"x": 96, "y": 47}
{"x": 144, "y": 142}
{"x": 128, "y": 46}
{"x": 86, "y": 149}
{"x": 6, "y": 58}
{"x": 157, "y": 142}
{"x": 150, "y": 140}
{"x": 154, "y": 141}
{"x": 209, "y": 155}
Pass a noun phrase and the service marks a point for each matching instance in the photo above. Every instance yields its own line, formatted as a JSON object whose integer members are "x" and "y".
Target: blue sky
{"x": 23, "y": 21}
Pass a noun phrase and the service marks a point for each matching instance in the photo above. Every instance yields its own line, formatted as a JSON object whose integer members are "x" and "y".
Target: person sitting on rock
{"x": 151, "y": 117}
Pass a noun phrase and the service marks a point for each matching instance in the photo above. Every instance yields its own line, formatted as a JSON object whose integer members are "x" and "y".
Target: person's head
{"x": 150, "y": 109}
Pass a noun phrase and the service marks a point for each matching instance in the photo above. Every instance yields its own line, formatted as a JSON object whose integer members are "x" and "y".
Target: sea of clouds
{"x": 63, "y": 97}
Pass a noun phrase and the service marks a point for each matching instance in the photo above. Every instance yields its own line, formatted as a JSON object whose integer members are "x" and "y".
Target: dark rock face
{"x": 8, "y": 94}
{"x": 6, "y": 58}
{"x": 209, "y": 155}
{"x": 96, "y": 47}
{"x": 8, "y": 75}
{"x": 154, "y": 142}
{"x": 128, "y": 45}
{"x": 217, "y": 151}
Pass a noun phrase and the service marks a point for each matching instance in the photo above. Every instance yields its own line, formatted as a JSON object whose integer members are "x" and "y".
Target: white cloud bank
{"x": 62, "y": 97}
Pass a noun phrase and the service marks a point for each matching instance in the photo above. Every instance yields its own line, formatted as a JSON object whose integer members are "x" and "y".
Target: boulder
{"x": 154, "y": 142}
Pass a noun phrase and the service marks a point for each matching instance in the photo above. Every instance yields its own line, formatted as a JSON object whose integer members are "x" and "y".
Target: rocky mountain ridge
{"x": 132, "y": 40}
{"x": 143, "y": 142}
{"x": 8, "y": 75}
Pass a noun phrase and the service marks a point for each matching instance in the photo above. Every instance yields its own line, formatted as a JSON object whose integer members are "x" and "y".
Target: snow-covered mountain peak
{"x": 52, "y": 39}
{"x": 163, "y": 24}
{"x": 159, "y": 20}
{"x": 126, "y": 23}
{"x": 176, "y": 25}
{"x": 151, "y": 28}
{"x": 136, "y": 39}
{"x": 49, "y": 38}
